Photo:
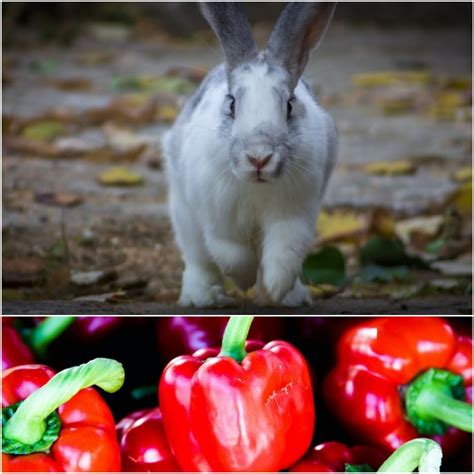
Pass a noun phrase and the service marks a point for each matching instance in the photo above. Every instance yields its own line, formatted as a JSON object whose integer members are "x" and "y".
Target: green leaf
{"x": 325, "y": 266}
{"x": 381, "y": 274}
{"x": 387, "y": 253}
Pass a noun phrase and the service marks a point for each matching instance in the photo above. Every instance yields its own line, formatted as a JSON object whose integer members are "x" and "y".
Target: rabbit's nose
{"x": 259, "y": 162}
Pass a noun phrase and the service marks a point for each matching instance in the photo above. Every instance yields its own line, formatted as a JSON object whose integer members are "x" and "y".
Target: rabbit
{"x": 248, "y": 160}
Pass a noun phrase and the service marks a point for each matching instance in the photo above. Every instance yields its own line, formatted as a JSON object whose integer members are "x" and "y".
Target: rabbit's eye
{"x": 232, "y": 106}
{"x": 289, "y": 109}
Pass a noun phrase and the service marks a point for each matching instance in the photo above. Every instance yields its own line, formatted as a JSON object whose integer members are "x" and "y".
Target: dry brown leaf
{"x": 463, "y": 174}
{"x": 21, "y": 271}
{"x": 70, "y": 84}
{"x": 59, "y": 199}
{"x": 422, "y": 228}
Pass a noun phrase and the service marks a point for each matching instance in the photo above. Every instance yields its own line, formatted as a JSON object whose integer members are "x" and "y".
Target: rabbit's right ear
{"x": 298, "y": 30}
{"x": 232, "y": 28}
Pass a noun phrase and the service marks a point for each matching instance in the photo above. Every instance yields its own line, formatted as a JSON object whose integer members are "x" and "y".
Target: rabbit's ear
{"x": 232, "y": 28}
{"x": 298, "y": 30}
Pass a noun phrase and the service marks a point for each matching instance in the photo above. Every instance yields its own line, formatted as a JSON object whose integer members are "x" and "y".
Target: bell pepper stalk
{"x": 424, "y": 454}
{"x": 143, "y": 443}
{"x": 179, "y": 335}
{"x": 242, "y": 408}
{"x": 399, "y": 378}
{"x": 57, "y": 421}
{"x": 47, "y": 331}
{"x": 421, "y": 453}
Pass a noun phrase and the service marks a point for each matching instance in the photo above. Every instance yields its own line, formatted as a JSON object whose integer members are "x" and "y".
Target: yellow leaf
{"x": 383, "y": 223}
{"x": 463, "y": 174}
{"x": 462, "y": 199}
{"x": 390, "y": 168}
{"x": 340, "y": 225}
{"x": 323, "y": 290}
{"x": 43, "y": 130}
{"x": 390, "y": 78}
{"x": 167, "y": 113}
{"x": 120, "y": 176}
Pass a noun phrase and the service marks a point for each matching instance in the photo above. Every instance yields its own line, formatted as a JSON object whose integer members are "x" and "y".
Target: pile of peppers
{"x": 237, "y": 394}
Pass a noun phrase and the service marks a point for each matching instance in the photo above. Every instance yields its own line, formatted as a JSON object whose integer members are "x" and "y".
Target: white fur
{"x": 226, "y": 224}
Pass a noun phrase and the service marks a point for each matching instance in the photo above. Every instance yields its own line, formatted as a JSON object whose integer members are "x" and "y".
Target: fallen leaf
{"x": 191, "y": 73}
{"x": 90, "y": 278}
{"x": 340, "y": 225}
{"x": 427, "y": 226}
{"x": 43, "y": 130}
{"x": 461, "y": 199}
{"x": 390, "y": 168}
{"x": 147, "y": 83}
{"x": 129, "y": 108}
{"x": 59, "y": 199}
{"x": 70, "y": 84}
{"x": 107, "y": 154}
{"x": 382, "y": 223}
{"x": 387, "y": 253}
{"x": 390, "y": 78}
{"x": 382, "y": 274}
{"x": 460, "y": 267}
{"x": 463, "y": 174}
{"x": 167, "y": 113}
{"x": 120, "y": 176}
{"x": 324, "y": 290}
{"x": 325, "y": 266}
{"x": 21, "y": 145}
{"x": 21, "y": 271}
{"x": 401, "y": 104}
{"x": 95, "y": 58}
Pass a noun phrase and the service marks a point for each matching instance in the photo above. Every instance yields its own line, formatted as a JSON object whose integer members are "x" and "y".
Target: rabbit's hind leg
{"x": 298, "y": 296}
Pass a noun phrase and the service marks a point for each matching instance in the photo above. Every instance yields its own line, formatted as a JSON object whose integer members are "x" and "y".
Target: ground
{"x": 78, "y": 242}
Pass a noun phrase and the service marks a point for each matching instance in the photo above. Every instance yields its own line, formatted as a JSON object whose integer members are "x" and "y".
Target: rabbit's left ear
{"x": 232, "y": 28}
{"x": 298, "y": 30}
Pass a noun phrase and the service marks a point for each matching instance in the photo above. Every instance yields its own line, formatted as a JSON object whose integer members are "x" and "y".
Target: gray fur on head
{"x": 299, "y": 29}
{"x": 231, "y": 26}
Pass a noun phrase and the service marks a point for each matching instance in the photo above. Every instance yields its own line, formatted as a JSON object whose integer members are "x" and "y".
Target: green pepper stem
{"x": 422, "y": 453}
{"x": 437, "y": 404}
{"x": 47, "y": 331}
{"x": 28, "y": 424}
{"x": 235, "y": 336}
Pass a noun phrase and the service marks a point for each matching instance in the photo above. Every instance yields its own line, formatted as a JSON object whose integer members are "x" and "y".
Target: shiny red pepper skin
{"x": 375, "y": 360}
{"x": 221, "y": 415}
{"x": 333, "y": 456}
{"x": 178, "y": 335}
{"x": 144, "y": 445}
{"x": 87, "y": 440}
{"x": 14, "y": 350}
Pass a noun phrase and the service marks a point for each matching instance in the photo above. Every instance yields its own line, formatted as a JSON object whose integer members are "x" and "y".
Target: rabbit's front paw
{"x": 203, "y": 297}
{"x": 298, "y": 296}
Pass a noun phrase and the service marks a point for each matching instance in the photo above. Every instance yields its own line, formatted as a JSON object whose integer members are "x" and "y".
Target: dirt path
{"x": 60, "y": 221}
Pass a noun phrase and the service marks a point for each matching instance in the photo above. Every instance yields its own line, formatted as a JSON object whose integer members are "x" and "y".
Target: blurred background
{"x": 89, "y": 89}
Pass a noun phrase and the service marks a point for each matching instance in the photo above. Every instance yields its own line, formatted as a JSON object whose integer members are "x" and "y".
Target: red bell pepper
{"x": 57, "y": 422}
{"x": 143, "y": 443}
{"x": 14, "y": 350}
{"x": 334, "y": 457}
{"x": 238, "y": 411}
{"x": 19, "y": 349}
{"x": 397, "y": 378}
{"x": 179, "y": 335}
